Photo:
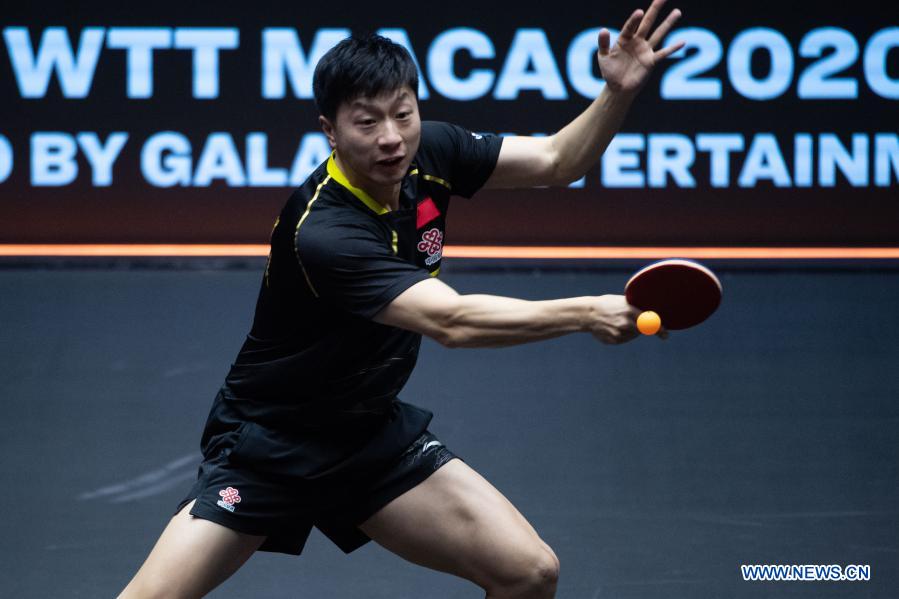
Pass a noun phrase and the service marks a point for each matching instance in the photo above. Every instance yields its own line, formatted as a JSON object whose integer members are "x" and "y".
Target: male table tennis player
{"x": 307, "y": 429}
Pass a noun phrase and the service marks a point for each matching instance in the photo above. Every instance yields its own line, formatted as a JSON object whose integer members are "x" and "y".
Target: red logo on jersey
{"x": 431, "y": 241}
{"x": 230, "y": 495}
{"x": 432, "y": 244}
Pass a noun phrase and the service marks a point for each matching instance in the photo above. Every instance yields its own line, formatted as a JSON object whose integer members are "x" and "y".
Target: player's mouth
{"x": 391, "y": 162}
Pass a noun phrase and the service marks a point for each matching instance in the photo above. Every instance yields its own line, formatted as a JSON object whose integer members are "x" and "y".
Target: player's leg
{"x": 457, "y": 522}
{"x": 191, "y": 557}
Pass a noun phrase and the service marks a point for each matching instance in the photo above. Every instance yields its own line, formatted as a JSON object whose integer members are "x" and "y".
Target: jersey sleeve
{"x": 464, "y": 158}
{"x": 353, "y": 267}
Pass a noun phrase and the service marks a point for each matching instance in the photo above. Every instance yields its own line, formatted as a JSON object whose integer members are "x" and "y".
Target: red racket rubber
{"x": 683, "y": 292}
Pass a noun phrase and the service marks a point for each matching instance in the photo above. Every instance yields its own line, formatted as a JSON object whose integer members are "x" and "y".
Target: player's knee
{"x": 554, "y": 561}
{"x": 533, "y": 577}
{"x": 548, "y": 568}
{"x": 541, "y": 577}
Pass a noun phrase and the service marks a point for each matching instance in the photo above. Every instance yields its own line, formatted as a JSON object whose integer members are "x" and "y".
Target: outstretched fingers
{"x": 649, "y": 20}
{"x": 659, "y": 34}
{"x": 668, "y": 51}
{"x": 605, "y": 41}
{"x": 631, "y": 25}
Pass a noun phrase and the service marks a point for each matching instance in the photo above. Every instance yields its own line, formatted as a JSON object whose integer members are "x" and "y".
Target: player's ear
{"x": 328, "y": 129}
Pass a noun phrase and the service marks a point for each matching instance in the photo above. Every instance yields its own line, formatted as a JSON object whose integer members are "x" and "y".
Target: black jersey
{"x": 314, "y": 358}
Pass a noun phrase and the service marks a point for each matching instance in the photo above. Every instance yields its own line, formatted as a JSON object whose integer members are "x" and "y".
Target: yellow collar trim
{"x": 363, "y": 197}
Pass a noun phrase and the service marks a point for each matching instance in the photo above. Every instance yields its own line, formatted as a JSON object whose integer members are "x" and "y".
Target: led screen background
{"x": 779, "y": 127}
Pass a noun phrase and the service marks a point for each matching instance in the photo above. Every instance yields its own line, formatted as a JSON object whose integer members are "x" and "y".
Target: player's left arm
{"x": 566, "y": 156}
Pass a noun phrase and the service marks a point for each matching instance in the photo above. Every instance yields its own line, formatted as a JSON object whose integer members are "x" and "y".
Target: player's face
{"x": 376, "y": 138}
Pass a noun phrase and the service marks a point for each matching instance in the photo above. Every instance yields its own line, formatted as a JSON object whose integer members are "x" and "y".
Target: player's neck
{"x": 387, "y": 197}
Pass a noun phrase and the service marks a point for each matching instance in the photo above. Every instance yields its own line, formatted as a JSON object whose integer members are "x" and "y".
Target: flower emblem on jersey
{"x": 432, "y": 244}
{"x": 229, "y": 497}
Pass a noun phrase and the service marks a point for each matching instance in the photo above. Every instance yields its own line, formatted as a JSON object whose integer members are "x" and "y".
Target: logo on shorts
{"x": 432, "y": 244}
{"x": 229, "y": 497}
{"x": 431, "y": 444}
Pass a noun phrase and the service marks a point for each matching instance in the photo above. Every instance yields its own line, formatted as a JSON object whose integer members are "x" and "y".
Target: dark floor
{"x": 770, "y": 434}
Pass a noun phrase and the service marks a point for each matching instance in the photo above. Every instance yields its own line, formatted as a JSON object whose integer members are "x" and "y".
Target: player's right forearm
{"x": 494, "y": 321}
{"x": 432, "y": 308}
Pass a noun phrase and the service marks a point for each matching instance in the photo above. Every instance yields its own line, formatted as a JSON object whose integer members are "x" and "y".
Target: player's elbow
{"x": 452, "y": 336}
{"x": 449, "y": 330}
{"x": 562, "y": 174}
{"x": 451, "y": 339}
{"x": 566, "y": 179}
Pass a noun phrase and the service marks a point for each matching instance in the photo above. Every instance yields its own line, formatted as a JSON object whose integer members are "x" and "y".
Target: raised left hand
{"x": 627, "y": 66}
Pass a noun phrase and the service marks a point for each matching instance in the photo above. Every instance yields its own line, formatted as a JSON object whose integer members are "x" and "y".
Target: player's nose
{"x": 390, "y": 134}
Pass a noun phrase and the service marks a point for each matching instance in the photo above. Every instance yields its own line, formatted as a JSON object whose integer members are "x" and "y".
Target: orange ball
{"x": 649, "y": 323}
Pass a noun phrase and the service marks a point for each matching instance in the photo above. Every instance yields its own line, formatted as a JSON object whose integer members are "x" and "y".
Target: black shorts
{"x": 285, "y": 510}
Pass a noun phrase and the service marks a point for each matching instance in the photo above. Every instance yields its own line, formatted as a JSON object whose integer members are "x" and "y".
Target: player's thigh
{"x": 457, "y": 522}
{"x": 191, "y": 557}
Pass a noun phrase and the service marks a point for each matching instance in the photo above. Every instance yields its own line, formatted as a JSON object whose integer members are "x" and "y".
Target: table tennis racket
{"x": 682, "y": 292}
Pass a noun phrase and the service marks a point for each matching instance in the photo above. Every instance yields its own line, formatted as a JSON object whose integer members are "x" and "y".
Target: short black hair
{"x": 361, "y": 66}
